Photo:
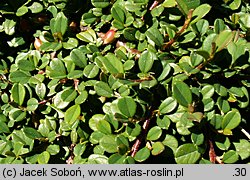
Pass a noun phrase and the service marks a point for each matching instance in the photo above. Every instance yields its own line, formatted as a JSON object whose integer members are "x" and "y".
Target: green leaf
{"x": 71, "y": 43}
{"x": 108, "y": 144}
{"x": 201, "y": 26}
{"x": 113, "y": 64}
{"x": 103, "y": 89}
{"x": 197, "y": 139}
{"x": 235, "y": 4}
{"x": 68, "y": 95}
{"x": 53, "y": 149}
{"x": 163, "y": 123}
{"x": 18, "y": 93}
{"x": 36, "y": 7}
{"x": 91, "y": 71}
{"x": 19, "y": 77}
{"x": 157, "y": 148}
{"x": 88, "y": 18}
{"x": 127, "y": 106}
{"x": 26, "y": 65}
{"x": 82, "y": 97}
{"x": 41, "y": 90}
{"x": 4, "y": 128}
{"x": 78, "y": 58}
{"x": 243, "y": 148}
{"x": 118, "y": 13}
{"x": 207, "y": 91}
{"x": 146, "y": 61}
{"x": 154, "y": 133}
{"x": 94, "y": 120}
{"x": 96, "y": 136}
{"x": 22, "y": 10}
{"x": 187, "y": 154}
{"x": 32, "y": 133}
{"x": 223, "y": 105}
{"x": 59, "y": 24}
{"x": 32, "y": 104}
{"x": 100, "y": 3}
{"x": 142, "y": 155}
{"x": 169, "y": 3}
{"x": 72, "y": 114}
{"x": 9, "y": 26}
{"x": 230, "y": 157}
{"x": 200, "y": 12}
{"x": 155, "y": 35}
{"x": 231, "y": 120}
{"x": 222, "y": 142}
{"x": 17, "y": 114}
{"x": 182, "y": 5}
{"x": 221, "y": 90}
{"x": 51, "y": 46}
{"x": 87, "y": 36}
{"x": 168, "y": 105}
{"x": 219, "y": 26}
{"x": 79, "y": 149}
{"x": 182, "y": 93}
{"x": 116, "y": 159}
{"x": 56, "y": 69}
{"x": 223, "y": 39}
{"x": 97, "y": 159}
{"x": 207, "y": 45}
{"x": 104, "y": 127}
{"x": 43, "y": 158}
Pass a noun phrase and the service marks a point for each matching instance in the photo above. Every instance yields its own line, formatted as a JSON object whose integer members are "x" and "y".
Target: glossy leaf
{"x": 100, "y": 3}
{"x": 43, "y": 158}
{"x": 146, "y": 61}
{"x": 157, "y": 148}
{"x": 78, "y": 58}
{"x": 230, "y": 157}
{"x": 142, "y": 155}
{"x": 168, "y": 105}
{"x": 200, "y": 12}
{"x": 103, "y": 89}
{"x": 154, "y": 35}
{"x": 18, "y": 93}
{"x": 31, "y": 133}
{"x": 59, "y": 24}
{"x": 108, "y": 143}
{"x": 72, "y": 114}
{"x": 231, "y": 120}
{"x": 127, "y": 106}
{"x": 182, "y": 93}
{"x": 223, "y": 39}
{"x": 19, "y": 77}
{"x": 154, "y": 133}
{"x": 187, "y": 154}
{"x": 104, "y": 127}
{"x": 113, "y": 64}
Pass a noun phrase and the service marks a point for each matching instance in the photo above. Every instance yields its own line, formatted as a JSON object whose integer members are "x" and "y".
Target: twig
{"x": 184, "y": 27}
{"x": 155, "y": 3}
{"x": 212, "y": 155}
{"x": 139, "y": 140}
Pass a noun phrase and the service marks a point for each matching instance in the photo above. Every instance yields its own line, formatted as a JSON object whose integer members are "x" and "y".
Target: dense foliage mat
{"x": 124, "y": 81}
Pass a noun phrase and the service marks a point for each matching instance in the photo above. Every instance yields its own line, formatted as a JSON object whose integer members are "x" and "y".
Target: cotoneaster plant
{"x": 124, "y": 81}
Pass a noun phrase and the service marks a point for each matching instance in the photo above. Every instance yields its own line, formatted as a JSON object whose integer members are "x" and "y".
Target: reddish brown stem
{"x": 212, "y": 155}
{"x": 155, "y": 3}
{"x": 138, "y": 141}
{"x": 184, "y": 27}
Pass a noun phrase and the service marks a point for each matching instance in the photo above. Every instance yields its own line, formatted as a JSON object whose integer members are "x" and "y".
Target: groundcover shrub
{"x": 124, "y": 81}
